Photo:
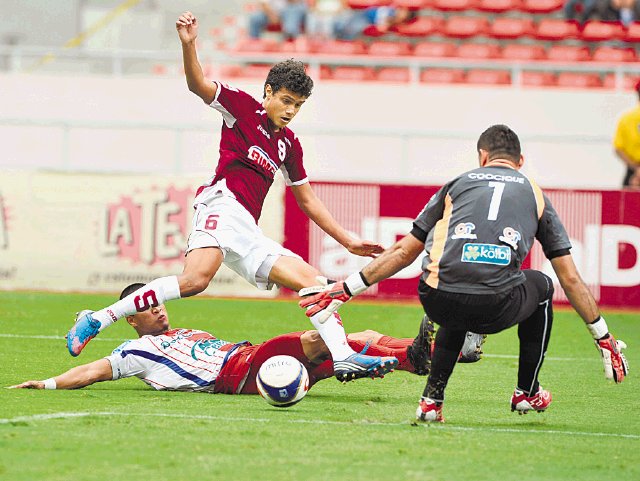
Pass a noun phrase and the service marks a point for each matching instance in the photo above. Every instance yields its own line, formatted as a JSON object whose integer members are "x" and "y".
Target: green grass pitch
{"x": 357, "y": 431}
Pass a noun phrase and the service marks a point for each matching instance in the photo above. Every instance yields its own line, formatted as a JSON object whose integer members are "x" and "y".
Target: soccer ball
{"x": 282, "y": 381}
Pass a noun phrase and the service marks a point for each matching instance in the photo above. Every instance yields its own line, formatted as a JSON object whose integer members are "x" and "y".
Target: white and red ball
{"x": 282, "y": 381}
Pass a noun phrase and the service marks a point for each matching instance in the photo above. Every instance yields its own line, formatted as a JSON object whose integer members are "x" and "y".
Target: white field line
{"x": 67, "y": 415}
{"x": 106, "y": 339}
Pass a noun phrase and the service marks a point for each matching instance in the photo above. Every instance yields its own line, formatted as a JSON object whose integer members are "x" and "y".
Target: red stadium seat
{"x": 516, "y": 51}
{"x": 613, "y": 54}
{"x": 602, "y": 31}
{"x": 554, "y": 29}
{"x": 353, "y": 74}
{"x": 497, "y": 6}
{"x": 541, "y": 6}
{"x": 258, "y": 45}
{"x": 628, "y": 81}
{"x": 412, "y": 4}
{"x": 421, "y": 27}
{"x": 362, "y": 4}
{"x": 568, "y": 53}
{"x": 453, "y": 5}
{"x": 633, "y": 33}
{"x": 465, "y": 27}
{"x": 389, "y": 49}
{"x": 339, "y": 47}
{"x": 326, "y": 72}
{"x": 259, "y": 71}
{"x": 230, "y": 71}
{"x": 489, "y": 77}
{"x": 579, "y": 80}
{"x": 539, "y": 79}
{"x": 435, "y": 49}
{"x": 393, "y": 74}
{"x": 479, "y": 51}
{"x": 442, "y": 76}
{"x": 510, "y": 28}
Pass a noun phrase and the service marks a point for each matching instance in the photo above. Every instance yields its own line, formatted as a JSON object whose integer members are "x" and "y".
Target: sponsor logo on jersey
{"x": 498, "y": 177}
{"x": 510, "y": 236}
{"x": 207, "y": 347}
{"x": 261, "y": 158}
{"x": 264, "y": 132}
{"x": 486, "y": 254}
{"x": 464, "y": 230}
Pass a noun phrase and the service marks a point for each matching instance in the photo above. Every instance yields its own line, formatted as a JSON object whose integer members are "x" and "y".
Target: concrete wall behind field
{"x": 368, "y": 133}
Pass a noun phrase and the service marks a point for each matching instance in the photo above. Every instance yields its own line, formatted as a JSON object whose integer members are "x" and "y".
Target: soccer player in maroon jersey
{"x": 255, "y": 144}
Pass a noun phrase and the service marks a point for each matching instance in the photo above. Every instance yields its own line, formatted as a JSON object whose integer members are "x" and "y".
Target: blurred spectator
{"x": 624, "y": 11}
{"x": 321, "y": 17}
{"x": 354, "y": 23}
{"x": 579, "y": 10}
{"x": 627, "y": 143}
{"x": 289, "y": 15}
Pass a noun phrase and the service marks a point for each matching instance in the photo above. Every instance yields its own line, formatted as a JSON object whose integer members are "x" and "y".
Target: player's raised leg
{"x": 199, "y": 268}
{"x": 295, "y": 274}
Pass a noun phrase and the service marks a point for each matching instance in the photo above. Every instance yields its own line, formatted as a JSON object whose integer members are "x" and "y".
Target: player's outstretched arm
{"x": 315, "y": 209}
{"x": 75, "y": 378}
{"x": 187, "y": 27}
{"x": 615, "y": 364}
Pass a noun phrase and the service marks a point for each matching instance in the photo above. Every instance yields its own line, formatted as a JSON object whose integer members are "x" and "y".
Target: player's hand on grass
{"x": 187, "y": 27}
{"x": 332, "y": 296}
{"x": 615, "y": 363}
{"x": 29, "y": 385}
{"x": 365, "y": 248}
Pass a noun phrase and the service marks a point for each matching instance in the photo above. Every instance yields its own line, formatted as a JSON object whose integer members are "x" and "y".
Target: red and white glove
{"x": 331, "y": 297}
{"x": 615, "y": 364}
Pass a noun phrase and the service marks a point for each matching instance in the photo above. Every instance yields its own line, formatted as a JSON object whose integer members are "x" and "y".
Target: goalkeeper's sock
{"x": 394, "y": 342}
{"x": 155, "y": 293}
{"x": 332, "y": 333}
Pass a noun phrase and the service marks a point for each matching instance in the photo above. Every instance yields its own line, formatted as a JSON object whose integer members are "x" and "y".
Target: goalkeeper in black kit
{"x": 476, "y": 231}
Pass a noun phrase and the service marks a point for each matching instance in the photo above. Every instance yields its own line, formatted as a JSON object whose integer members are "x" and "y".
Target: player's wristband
{"x": 355, "y": 284}
{"x": 598, "y": 328}
{"x": 50, "y": 383}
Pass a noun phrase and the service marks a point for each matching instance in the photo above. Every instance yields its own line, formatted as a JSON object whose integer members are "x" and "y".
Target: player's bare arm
{"x": 315, "y": 209}
{"x": 187, "y": 27}
{"x": 75, "y": 378}
{"x": 574, "y": 287}
{"x": 394, "y": 259}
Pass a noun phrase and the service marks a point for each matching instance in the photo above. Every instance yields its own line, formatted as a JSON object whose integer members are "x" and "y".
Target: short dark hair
{"x": 501, "y": 143}
{"x": 289, "y": 74}
{"x": 130, "y": 289}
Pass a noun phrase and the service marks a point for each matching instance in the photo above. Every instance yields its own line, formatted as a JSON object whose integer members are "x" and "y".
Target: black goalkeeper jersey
{"x": 480, "y": 227}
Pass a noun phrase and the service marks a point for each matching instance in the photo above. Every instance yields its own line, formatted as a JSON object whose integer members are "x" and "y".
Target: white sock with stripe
{"x": 155, "y": 293}
{"x": 334, "y": 336}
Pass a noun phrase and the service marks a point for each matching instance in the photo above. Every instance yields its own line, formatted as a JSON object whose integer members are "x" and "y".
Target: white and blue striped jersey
{"x": 177, "y": 360}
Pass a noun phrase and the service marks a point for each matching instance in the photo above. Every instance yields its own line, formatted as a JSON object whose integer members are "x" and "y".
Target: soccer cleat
{"x": 472, "y": 348}
{"x": 419, "y": 352}
{"x": 523, "y": 404}
{"x": 429, "y": 411}
{"x": 85, "y": 329}
{"x": 358, "y": 365}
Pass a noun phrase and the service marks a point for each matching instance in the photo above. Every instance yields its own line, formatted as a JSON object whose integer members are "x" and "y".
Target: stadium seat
{"x": 340, "y": 47}
{"x": 497, "y": 6}
{"x": 568, "y": 53}
{"x": 534, "y": 7}
{"x": 465, "y": 27}
{"x": 489, "y": 77}
{"x": 478, "y": 51}
{"x": 453, "y": 5}
{"x": 517, "y": 51}
{"x": 258, "y": 45}
{"x": 353, "y": 73}
{"x": 633, "y": 32}
{"x": 602, "y": 31}
{"x": 362, "y": 4}
{"x": 614, "y": 54}
{"x": 434, "y": 49}
{"x": 555, "y": 29}
{"x": 538, "y": 79}
{"x": 389, "y": 49}
{"x": 412, "y": 4}
{"x": 511, "y": 28}
{"x": 442, "y": 76}
{"x": 230, "y": 71}
{"x": 421, "y": 27}
{"x": 628, "y": 81}
{"x": 393, "y": 74}
{"x": 579, "y": 80}
{"x": 259, "y": 71}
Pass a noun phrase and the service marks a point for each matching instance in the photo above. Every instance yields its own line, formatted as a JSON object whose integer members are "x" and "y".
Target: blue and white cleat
{"x": 358, "y": 365}
{"x": 85, "y": 329}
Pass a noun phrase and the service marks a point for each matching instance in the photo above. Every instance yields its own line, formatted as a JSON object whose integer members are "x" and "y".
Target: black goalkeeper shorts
{"x": 487, "y": 313}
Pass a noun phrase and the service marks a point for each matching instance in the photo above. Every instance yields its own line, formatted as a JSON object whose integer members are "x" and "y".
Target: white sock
{"x": 155, "y": 293}
{"x": 333, "y": 335}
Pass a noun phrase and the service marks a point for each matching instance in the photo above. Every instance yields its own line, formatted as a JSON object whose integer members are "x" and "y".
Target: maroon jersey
{"x": 251, "y": 152}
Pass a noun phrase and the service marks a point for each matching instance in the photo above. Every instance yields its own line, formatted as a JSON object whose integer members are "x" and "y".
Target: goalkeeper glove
{"x": 615, "y": 363}
{"x": 332, "y": 296}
